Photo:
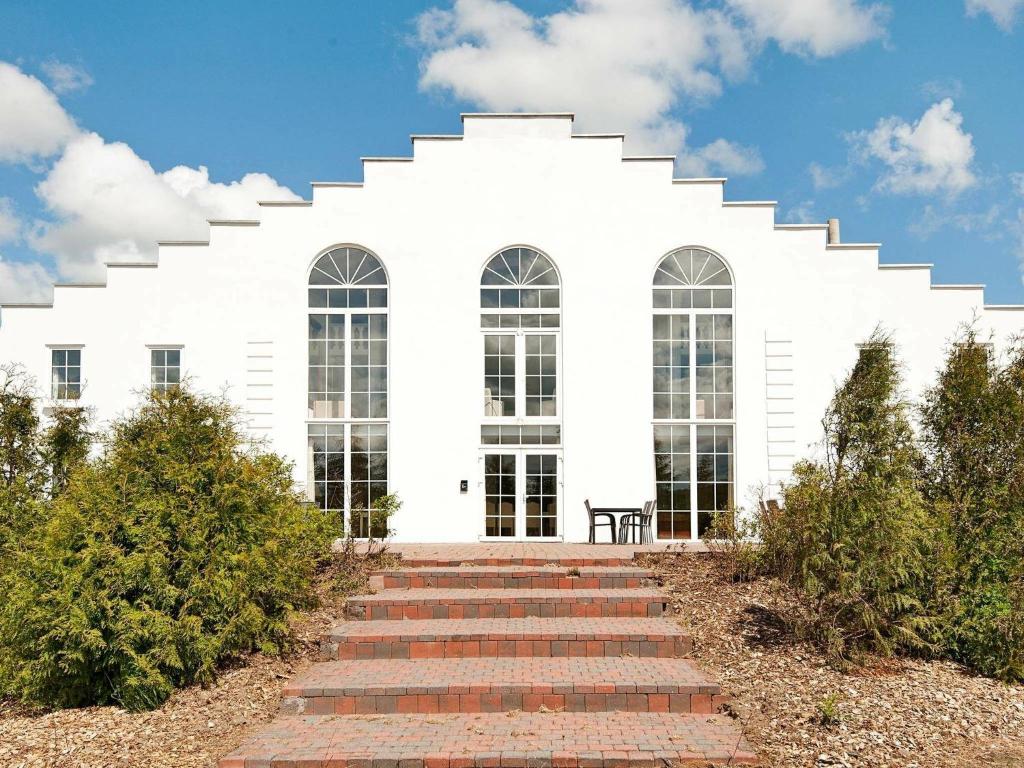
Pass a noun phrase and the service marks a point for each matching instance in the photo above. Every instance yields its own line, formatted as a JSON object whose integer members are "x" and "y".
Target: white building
{"x": 503, "y": 325}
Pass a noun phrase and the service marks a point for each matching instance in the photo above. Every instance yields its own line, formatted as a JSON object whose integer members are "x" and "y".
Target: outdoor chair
{"x": 637, "y": 522}
{"x": 594, "y": 524}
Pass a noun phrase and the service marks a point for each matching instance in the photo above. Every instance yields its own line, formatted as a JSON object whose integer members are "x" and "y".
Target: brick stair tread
{"x": 387, "y": 677}
{"x": 428, "y": 596}
{"x": 529, "y": 628}
{"x": 561, "y": 740}
{"x": 518, "y": 570}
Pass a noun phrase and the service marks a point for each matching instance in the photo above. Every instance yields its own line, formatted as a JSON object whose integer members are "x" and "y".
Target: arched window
{"x": 693, "y": 391}
{"x": 348, "y": 384}
{"x": 520, "y": 303}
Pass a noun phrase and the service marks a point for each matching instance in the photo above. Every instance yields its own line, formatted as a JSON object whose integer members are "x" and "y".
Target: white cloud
{"x": 825, "y": 177}
{"x": 10, "y": 225}
{"x": 948, "y": 88}
{"x": 33, "y": 125}
{"x": 24, "y": 281}
{"x": 985, "y": 222}
{"x": 931, "y": 155}
{"x": 1017, "y": 180}
{"x": 625, "y": 65}
{"x": 64, "y": 77}
{"x": 722, "y": 156}
{"x": 105, "y": 202}
{"x": 109, "y": 204}
{"x": 802, "y": 213}
{"x": 1003, "y": 12}
{"x": 814, "y": 27}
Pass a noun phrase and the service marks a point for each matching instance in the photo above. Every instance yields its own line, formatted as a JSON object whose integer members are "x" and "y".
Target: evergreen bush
{"x": 853, "y": 538}
{"x": 973, "y": 438}
{"x": 181, "y": 547}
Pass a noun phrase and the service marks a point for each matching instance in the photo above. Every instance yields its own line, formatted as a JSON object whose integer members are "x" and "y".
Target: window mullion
{"x": 347, "y": 394}
{"x": 346, "y": 444}
{"x": 520, "y": 377}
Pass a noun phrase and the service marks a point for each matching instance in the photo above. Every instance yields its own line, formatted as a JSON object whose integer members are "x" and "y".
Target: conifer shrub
{"x": 179, "y": 548}
{"x": 973, "y": 437}
{"x": 853, "y": 536}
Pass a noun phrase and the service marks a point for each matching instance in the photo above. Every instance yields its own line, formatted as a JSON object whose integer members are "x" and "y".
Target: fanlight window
{"x": 519, "y": 289}
{"x": 692, "y": 277}
{"x": 348, "y": 277}
{"x": 348, "y": 266}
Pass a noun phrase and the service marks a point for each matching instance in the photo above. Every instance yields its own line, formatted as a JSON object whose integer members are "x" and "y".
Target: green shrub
{"x": 65, "y": 445}
{"x": 732, "y": 536}
{"x": 853, "y": 535}
{"x": 973, "y": 437}
{"x": 181, "y": 547}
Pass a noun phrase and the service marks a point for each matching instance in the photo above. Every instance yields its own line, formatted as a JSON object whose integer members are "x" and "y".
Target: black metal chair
{"x": 637, "y": 522}
{"x": 594, "y": 524}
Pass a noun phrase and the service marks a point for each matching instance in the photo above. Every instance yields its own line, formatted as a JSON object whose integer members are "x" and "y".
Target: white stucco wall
{"x": 238, "y": 307}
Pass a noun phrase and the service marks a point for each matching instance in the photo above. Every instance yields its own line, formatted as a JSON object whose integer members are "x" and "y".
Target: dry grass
{"x": 798, "y": 711}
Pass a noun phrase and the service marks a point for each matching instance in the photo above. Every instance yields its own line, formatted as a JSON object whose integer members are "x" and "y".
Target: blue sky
{"x": 902, "y": 119}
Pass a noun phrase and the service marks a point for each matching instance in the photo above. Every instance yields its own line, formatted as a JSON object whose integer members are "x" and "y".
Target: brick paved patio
{"x": 521, "y": 553}
{"x": 536, "y": 656}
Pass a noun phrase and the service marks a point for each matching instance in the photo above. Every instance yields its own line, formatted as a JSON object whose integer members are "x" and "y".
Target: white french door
{"x": 522, "y": 494}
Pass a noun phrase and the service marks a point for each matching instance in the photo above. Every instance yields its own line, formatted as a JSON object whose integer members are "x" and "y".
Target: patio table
{"x": 619, "y": 513}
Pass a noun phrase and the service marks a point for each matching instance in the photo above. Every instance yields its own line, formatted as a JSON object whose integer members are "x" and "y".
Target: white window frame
{"x": 520, "y": 418}
{"x": 693, "y": 422}
{"x": 50, "y": 349}
{"x": 179, "y": 348}
{"x": 347, "y": 420}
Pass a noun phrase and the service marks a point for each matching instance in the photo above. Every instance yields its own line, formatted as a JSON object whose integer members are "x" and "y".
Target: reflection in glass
{"x": 541, "y": 495}
{"x": 500, "y": 494}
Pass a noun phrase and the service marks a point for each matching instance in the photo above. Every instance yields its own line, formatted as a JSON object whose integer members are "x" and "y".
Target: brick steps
{"x": 505, "y": 603}
{"x": 501, "y": 685}
{"x": 522, "y": 740}
{"x": 467, "y": 638}
{"x": 513, "y": 577}
{"x": 508, "y": 663}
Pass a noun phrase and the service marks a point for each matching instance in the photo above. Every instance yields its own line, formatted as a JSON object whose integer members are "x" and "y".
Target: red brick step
{"x": 557, "y": 740}
{"x": 458, "y": 638}
{"x": 386, "y": 686}
{"x": 514, "y": 577}
{"x": 505, "y": 603}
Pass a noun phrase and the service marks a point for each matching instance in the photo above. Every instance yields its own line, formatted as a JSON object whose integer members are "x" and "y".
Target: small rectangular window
{"x": 164, "y": 369}
{"x": 66, "y": 373}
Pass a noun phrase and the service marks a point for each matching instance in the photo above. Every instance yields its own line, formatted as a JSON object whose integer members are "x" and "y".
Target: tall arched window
{"x": 520, "y": 302}
{"x": 348, "y": 384}
{"x": 694, "y": 420}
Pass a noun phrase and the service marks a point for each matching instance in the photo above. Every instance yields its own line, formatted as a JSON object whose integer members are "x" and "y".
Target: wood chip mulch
{"x": 905, "y": 713}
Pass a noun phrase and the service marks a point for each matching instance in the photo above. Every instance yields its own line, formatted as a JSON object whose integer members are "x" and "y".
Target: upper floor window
{"x": 164, "y": 369}
{"x": 66, "y": 373}
{"x": 520, "y": 314}
{"x": 348, "y": 336}
{"x": 693, "y": 337}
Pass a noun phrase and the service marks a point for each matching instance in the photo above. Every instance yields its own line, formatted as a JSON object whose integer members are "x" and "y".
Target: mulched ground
{"x": 890, "y": 713}
{"x": 908, "y": 714}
